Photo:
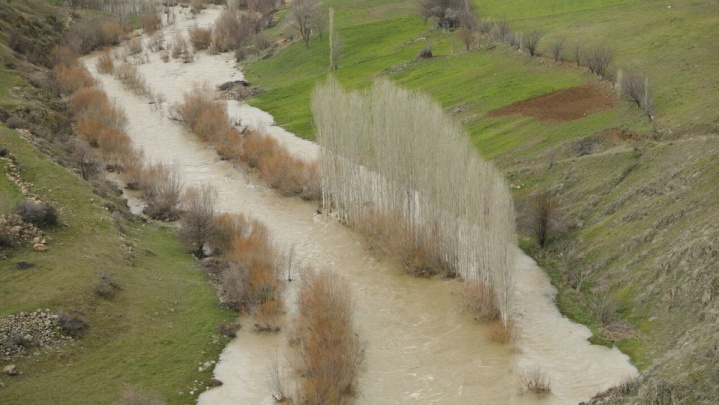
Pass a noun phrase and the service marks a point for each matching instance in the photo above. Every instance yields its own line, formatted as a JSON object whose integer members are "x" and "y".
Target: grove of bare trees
{"x": 393, "y": 158}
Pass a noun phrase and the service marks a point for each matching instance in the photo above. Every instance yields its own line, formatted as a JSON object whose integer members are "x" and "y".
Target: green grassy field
{"x": 152, "y": 335}
{"x": 384, "y": 38}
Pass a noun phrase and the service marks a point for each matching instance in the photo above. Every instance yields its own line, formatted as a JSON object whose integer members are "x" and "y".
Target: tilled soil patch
{"x": 562, "y": 105}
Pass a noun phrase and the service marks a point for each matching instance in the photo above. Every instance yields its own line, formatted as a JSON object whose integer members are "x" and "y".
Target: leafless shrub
{"x": 544, "y": 214}
{"x": 253, "y": 277}
{"x": 40, "y": 214}
{"x": 72, "y": 76}
{"x": 574, "y": 269}
{"x": 197, "y": 220}
{"x": 277, "y": 379}
{"x": 499, "y": 31}
{"x": 426, "y": 52}
{"x": 485, "y": 26}
{"x": 84, "y": 36}
{"x": 161, "y": 188}
{"x": 604, "y": 306}
{"x": 134, "y": 46}
{"x": 534, "y": 380}
{"x": 179, "y": 46}
{"x": 556, "y": 47}
{"x": 111, "y": 32}
{"x": 531, "y": 42}
{"x": 480, "y": 301}
{"x": 156, "y": 42}
{"x": 233, "y": 30}
{"x": 106, "y": 287}
{"x": 225, "y": 229}
{"x": 502, "y": 333}
{"x": 200, "y": 38}
{"x": 88, "y": 162}
{"x": 303, "y": 16}
{"x": 133, "y": 80}
{"x": 150, "y": 22}
{"x": 104, "y": 63}
{"x": 514, "y": 39}
{"x": 598, "y": 60}
{"x": 327, "y": 352}
{"x": 72, "y": 324}
{"x": 635, "y": 88}
{"x": 444, "y": 14}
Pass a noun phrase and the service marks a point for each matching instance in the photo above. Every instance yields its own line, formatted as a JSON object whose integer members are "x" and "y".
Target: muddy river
{"x": 421, "y": 348}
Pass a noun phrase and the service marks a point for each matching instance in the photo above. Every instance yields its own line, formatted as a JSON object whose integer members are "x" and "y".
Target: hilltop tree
{"x": 304, "y": 15}
{"x": 445, "y": 13}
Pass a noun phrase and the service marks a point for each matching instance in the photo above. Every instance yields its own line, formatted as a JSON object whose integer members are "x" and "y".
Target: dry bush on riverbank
{"x": 502, "y": 333}
{"x": 150, "y": 22}
{"x": 105, "y": 63}
{"x": 289, "y": 175}
{"x": 212, "y": 124}
{"x": 193, "y": 104}
{"x": 72, "y": 76}
{"x": 85, "y": 99}
{"x": 256, "y": 146}
{"x": 253, "y": 275}
{"x": 179, "y": 46}
{"x": 198, "y": 217}
{"x": 225, "y": 228}
{"x": 231, "y": 30}
{"x": 397, "y": 153}
{"x": 534, "y": 380}
{"x": 480, "y": 301}
{"x": 111, "y": 32}
{"x": 327, "y": 352}
{"x": 131, "y": 78}
{"x": 200, "y": 38}
{"x": 161, "y": 187}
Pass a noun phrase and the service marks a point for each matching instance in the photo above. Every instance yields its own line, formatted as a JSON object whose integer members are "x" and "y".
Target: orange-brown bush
{"x": 256, "y": 146}
{"x": 286, "y": 173}
{"x": 200, "y": 38}
{"x": 110, "y": 33}
{"x": 327, "y": 350}
{"x": 88, "y": 129}
{"x": 193, "y": 104}
{"x": 115, "y": 146}
{"x": 480, "y": 301}
{"x": 104, "y": 62}
{"x": 72, "y": 76}
{"x": 87, "y": 98}
{"x": 500, "y": 332}
{"x": 386, "y": 233}
{"x": 268, "y": 315}
{"x": 231, "y": 146}
{"x": 150, "y": 23}
{"x": 226, "y": 228}
{"x": 133, "y": 80}
{"x": 62, "y": 55}
{"x": 253, "y": 276}
{"x": 212, "y": 124}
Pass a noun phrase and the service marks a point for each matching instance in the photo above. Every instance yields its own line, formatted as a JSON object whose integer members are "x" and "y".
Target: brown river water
{"x": 420, "y": 348}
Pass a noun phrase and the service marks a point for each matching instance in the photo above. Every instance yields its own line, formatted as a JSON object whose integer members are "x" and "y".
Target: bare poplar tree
{"x": 395, "y": 153}
{"x": 304, "y": 15}
{"x": 635, "y": 88}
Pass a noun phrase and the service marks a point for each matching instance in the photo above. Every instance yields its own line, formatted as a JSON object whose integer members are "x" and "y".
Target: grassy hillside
{"x": 163, "y": 320}
{"x": 636, "y": 197}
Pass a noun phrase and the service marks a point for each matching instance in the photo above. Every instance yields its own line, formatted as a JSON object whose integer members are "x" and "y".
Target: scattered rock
{"x": 39, "y": 247}
{"x": 214, "y": 382}
{"x": 10, "y": 370}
